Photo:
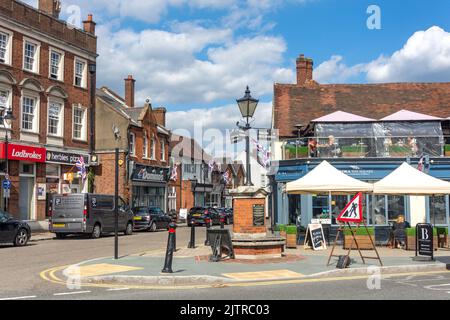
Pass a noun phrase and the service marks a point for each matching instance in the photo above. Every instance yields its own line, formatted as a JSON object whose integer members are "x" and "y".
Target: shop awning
{"x": 407, "y": 180}
{"x": 327, "y": 179}
{"x": 406, "y": 115}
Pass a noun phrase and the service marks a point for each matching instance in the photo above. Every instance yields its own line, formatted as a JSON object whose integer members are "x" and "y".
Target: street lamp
{"x": 6, "y": 118}
{"x": 247, "y": 106}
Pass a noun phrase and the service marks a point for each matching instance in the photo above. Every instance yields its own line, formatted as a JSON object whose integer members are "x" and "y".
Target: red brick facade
{"x": 22, "y": 22}
{"x": 243, "y": 215}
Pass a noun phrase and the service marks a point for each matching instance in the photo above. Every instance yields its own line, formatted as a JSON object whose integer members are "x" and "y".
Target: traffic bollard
{"x": 192, "y": 242}
{"x": 222, "y": 223}
{"x": 170, "y": 249}
{"x": 208, "y": 226}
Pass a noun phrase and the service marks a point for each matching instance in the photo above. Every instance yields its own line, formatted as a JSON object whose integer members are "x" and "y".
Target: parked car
{"x": 150, "y": 219}
{"x": 13, "y": 231}
{"x": 226, "y": 214}
{"x": 92, "y": 214}
{"x": 199, "y": 215}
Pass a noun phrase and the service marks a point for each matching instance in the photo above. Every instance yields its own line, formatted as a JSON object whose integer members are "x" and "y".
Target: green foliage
{"x": 400, "y": 149}
{"x": 291, "y": 229}
{"x": 281, "y": 227}
{"x": 411, "y": 232}
{"x": 447, "y": 148}
{"x": 360, "y": 232}
{"x": 91, "y": 180}
{"x": 294, "y": 150}
{"x": 354, "y": 149}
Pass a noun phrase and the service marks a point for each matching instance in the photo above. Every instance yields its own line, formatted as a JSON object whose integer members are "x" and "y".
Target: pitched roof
{"x": 294, "y": 104}
{"x": 184, "y": 147}
{"x": 341, "y": 116}
{"x": 406, "y": 115}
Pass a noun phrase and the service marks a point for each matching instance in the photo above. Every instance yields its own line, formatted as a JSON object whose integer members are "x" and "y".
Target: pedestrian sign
{"x": 7, "y": 184}
{"x": 353, "y": 212}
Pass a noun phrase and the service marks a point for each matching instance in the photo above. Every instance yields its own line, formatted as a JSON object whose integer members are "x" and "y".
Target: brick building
{"x": 45, "y": 81}
{"x": 366, "y": 131}
{"x": 143, "y": 141}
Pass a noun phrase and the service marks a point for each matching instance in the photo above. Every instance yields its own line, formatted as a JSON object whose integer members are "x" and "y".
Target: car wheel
{"x": 21, "y": 238}
{"x": 129, "y": 229}
{"x": 97, "y": 232}
{"x": 153, "y": 227}
{"x": 60, "y": 236}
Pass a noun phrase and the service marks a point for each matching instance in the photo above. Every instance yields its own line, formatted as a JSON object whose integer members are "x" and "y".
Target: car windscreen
{"x": 197, "y": 210}
{"x": 141, "y": 212}
{"x": 4, "y": 216}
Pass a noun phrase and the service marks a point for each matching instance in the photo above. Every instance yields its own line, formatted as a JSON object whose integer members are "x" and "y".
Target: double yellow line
{"x": 50, "y": 275}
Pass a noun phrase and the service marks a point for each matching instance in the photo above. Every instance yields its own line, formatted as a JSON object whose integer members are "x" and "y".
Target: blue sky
{"x": 195, "y": 57}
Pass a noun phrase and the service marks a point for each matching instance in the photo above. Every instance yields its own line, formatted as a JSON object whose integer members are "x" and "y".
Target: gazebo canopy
{"x": 327, "y": 179}
{"x": 407, "y": 180}
{"x": 341, "y": 116}
{"x": 406, "y": 115}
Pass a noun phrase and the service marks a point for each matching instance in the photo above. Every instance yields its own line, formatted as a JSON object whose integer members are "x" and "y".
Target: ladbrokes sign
{"x": 23, "y": 153}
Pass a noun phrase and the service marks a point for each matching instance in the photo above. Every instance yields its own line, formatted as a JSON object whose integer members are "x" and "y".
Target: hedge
{"x": 291, "y": 229}
{"x": 411, "y": 232}
{"x": 447, "y": 148}
{"x": 360, "y": 231}
{"x": 354, "y": 149}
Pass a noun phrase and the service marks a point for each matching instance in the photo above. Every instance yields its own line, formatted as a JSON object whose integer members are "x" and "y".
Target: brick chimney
{"x": 160, "y": 116}
{"x": 89, "y": 25}
{"x": 51, "y": 7}
{"x": 304, "y": 70}
{"x": 129, "y": 91}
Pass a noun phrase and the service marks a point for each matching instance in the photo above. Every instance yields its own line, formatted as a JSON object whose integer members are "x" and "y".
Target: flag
{"x": 211, "y": 165}
{"x": 263, "y": 154}
{"x": 420, "y": 166}
{"x": 226, "y": 177}
{"x": 81, "y": 166}
{"x": 174, "y": 174}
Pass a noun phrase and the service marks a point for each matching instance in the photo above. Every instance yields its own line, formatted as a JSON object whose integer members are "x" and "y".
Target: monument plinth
{"x": 250, "y": 237}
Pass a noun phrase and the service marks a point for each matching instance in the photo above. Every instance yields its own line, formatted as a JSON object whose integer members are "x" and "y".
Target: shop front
{"x": 379, "y": 210}
{"x": 25, "y": 167}
{"x": 149, "y": 186}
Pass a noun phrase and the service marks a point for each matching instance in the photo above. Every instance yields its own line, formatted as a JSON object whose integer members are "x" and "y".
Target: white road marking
{"x": 18, "y": 298}
{"x": 118, "y": 289}
{"x": 70, "y": 293}
{"x": 437, "y": 286}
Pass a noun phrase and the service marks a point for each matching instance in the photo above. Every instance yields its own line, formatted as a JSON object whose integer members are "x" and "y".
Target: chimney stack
{"x": 51, "y": 7}
{"x": 160, "y": 116}
{"x": 129, "y": 91}
{"x": 304, "y": 70}
{"x": 89, "y": 25}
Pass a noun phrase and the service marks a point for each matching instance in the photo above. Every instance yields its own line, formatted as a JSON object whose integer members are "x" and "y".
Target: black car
{"x": 150, "y": 219}
{"x": 200, "y": 216}
{"x": 13, "y": 231}
{"x": 226, "y": 214}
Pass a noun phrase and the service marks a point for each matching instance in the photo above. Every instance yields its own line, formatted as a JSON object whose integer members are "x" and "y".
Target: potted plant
{"x": 362, "y": 237}
{"x": 291, "y": 237}
{"x": 276, "y": 230}
{"x": 447, "y": 150}
{"x": 282, "y": 229}
{"x": 411, "y": 239}
{"x": 354, "y": 151}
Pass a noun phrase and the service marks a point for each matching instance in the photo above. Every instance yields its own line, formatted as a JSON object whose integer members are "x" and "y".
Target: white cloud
{"x": 424, "y": 58}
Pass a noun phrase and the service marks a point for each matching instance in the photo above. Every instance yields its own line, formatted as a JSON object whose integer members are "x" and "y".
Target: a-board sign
{"x": 258, "y": 215}
{"x": 315, "y": 237}
{"x": 424, "y": 240}
{"x": 221, "y": 238}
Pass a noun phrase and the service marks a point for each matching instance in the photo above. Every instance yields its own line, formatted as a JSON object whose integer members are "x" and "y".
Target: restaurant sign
{"x": 23, "y": 153}
{"x": 65, "y": 158}
{"x": 150, "y": 174}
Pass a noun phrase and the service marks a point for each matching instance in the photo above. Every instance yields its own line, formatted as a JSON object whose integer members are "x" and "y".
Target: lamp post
{"x": 6, "y": 118}
{"x": 92, "y": 72}
{"x": 247, "y": 106}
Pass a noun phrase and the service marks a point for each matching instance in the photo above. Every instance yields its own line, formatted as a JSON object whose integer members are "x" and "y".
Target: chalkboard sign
{"x": 424, "y": 240}
{"x": 258, "y": 215}
{"x": 315, "y": 237}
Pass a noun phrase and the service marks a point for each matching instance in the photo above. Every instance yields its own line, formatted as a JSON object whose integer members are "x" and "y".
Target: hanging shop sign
{"x": 150, "y": 174}
{"x": 23, "y": 153}
{"x": 65, "y": 158}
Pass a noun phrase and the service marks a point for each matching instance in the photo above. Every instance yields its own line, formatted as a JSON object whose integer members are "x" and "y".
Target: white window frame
{"x": 163, "y": 150}
{"x": 60, "y": 75}
{"x": 60, "y": 128}
{"x": 84, "y": 79}
{"x": 84, "y": 123}
{"x": 37, "y": 55}
{"x": 145, "y": 147}
{"x": 8, "y": 89}
{"x": 132, "y": 144}
{"x": 8, "y": 53}
{"x": 36, "y": 113}
{"x": 153, "y": 149}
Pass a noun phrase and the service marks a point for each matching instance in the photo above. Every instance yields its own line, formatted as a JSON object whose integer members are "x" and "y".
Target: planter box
{"x": 291, "y": 241}
{"x": 364, "y": 242}
{"x": 411, "y": 243}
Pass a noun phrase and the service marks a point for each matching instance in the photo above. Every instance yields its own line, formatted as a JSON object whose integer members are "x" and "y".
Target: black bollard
{"x": 170, "y": 249}
{"x": 192, "y": 242}
{"x": 208, "y": 226}
{"x": 222, "y": 223}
